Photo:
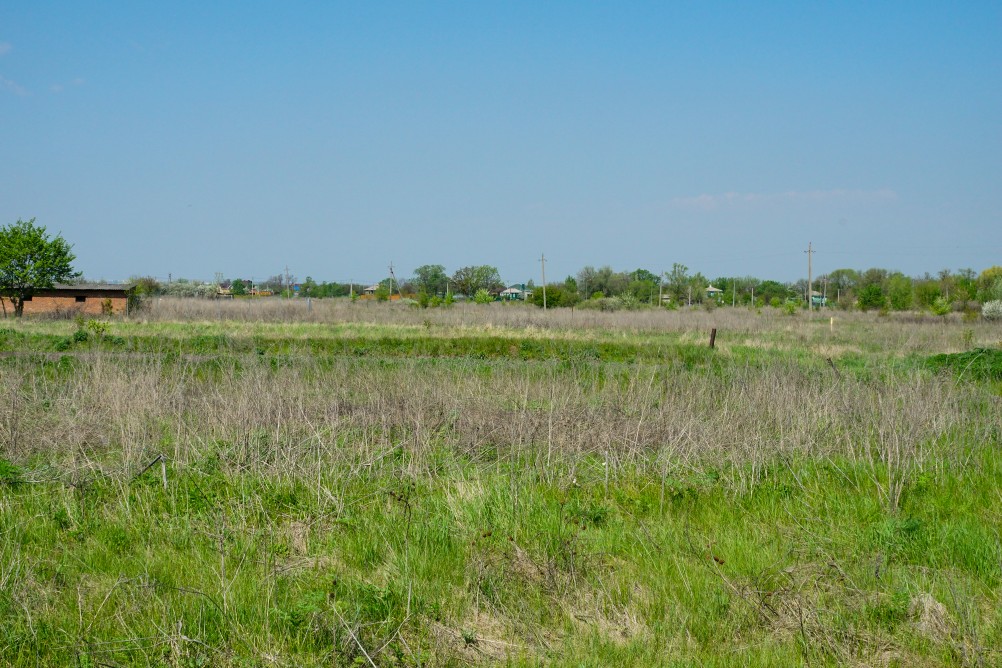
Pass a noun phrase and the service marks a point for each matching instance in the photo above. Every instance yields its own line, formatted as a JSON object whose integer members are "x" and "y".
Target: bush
{"x": 872, "y": 297}
{"x": 482, "y": 297}
{"x": 609, "y": 304}
{"x": 992, "y": 310}
{"x": 941, "y": 306}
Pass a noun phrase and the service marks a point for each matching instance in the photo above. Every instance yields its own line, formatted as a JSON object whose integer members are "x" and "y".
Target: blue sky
{"x": 194, "y": 138}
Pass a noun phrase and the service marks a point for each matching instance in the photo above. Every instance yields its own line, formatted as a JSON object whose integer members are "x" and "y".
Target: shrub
{"x": 941, "y": 306}
{"x": 790, "y": 308}
{"x": 872, "y": 297}
{"x": 992, "y": 310}
{"x": 482, "y": 296}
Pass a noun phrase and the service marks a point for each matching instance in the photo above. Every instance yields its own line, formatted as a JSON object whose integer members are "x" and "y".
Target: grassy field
{"x": 262, "y": 484}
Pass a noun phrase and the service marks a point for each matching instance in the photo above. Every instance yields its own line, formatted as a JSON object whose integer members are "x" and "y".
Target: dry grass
{"x": 753, "y": 506}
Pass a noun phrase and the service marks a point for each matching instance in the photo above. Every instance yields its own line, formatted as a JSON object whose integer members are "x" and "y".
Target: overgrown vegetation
{"x": 487, "y": 484}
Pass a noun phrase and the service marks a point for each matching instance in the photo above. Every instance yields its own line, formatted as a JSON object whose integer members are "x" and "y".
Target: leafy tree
{"x": 610, "y": 283}
{"x": 992, "y": 292}
{"x": 872, "y": 296}
{"x": 899, "y": 292}
{"x": 557, "y": 294}
{"x": 482, "y": 296}
{"x": 967, "y": 283}
{"x": 238, "y": 288}
{"x": 31, "y": 261}
{"x": 308, "y": 288}
{"x": 678, "y": 282}
{"x": 926, "y": 291}
{"x": 768, "y": 291}
{"x": 946, "y": 283}
{"x": 430, "y": 279}
{"x": 146, "y": 286}
{"x": 696, "y": 291}
{"x": 843, "y": 280}
{"x": 644, "y": 285}
{"x": 987, "y": 280}
{"x": 470, "y": 279}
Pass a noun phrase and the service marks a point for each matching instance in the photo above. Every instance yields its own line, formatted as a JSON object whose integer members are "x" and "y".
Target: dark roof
{"x": 93, "y": 286}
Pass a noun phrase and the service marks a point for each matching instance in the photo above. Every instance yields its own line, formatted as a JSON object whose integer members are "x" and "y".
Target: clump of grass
{"x": 978, "y": 364}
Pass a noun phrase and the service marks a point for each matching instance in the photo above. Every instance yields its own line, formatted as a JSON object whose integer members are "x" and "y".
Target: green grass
{"x": 457, "y": 497}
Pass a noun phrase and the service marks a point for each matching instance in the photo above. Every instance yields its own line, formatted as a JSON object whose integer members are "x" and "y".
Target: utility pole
{"x": 394, "y": 281}
{"x": 542, "y": 264}
{"x": 810, "y": 289}
{"x": 288, "y": 283}
{"x": 660, "y": 290}
{"x": 734, "y": 291}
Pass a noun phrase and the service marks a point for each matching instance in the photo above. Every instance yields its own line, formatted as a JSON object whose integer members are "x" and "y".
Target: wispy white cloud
{"x": 12, "y": 86}
{"x": 735, "y": 200}
{"x": 5, "y": 47}
{"x": 59, "y": 88}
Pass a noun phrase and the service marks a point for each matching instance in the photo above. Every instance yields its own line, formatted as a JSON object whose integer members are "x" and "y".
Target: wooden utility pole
{"x": 810, "y": 289}
{"x": 394, "y": 281}
{"x": 660, "y": 290}
{"x": 542, "y": 264}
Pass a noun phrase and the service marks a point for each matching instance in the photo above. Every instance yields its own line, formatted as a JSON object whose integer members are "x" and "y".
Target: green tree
{"x": 145, "y": 286}
{"x": 309, "y": 288}
{"x": 899, "y": 292}
{"x": 610, "y": 283}
{"x": 926, "y": 291}
{"x": 238, "y": 288}
{"x": 482, "y": 277}
{"x": 768, "y": 291}
{"x": 872, "y": 296}
{"x": 678, "y": 282}
{"x": 557, "y": 294}
{"x": 988, "y": 277}
{"x": 430, "y": 279}
{"x": 31, "y": 261}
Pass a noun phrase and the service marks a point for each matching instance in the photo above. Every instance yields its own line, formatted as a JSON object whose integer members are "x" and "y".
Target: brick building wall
{"x": 73, "y": 302}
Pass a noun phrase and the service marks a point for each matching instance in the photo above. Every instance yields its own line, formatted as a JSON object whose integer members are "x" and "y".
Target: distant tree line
{"x": 607, "y": 289}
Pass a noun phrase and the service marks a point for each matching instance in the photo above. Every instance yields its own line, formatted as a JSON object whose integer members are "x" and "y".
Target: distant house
{"x": 515, "y": 293}
{"x": 88, "y": 298}
{"x": 713, "y": 292}
{"x": 817, "y": 299}
{"x": 371, "y": 290}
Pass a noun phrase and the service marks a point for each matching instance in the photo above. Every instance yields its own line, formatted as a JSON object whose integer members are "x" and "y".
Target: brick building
{"x": 86, "y": 298}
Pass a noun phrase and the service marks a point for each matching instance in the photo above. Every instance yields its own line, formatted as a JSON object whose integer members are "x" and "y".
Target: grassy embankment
{"x": 500, "y": 485}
